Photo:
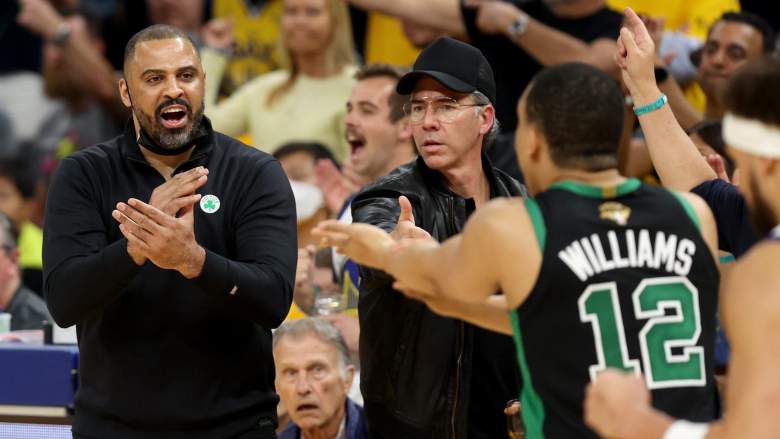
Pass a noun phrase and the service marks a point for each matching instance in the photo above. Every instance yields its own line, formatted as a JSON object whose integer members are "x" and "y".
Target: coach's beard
{"x": 168, "y": 141}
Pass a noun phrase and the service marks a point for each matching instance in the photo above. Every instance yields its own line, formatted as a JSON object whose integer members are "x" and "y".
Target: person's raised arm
{"x": 78, "y": 51}
{"x": 547, "y": 45}
{"x": 440, "y": 14}
{"x": 675, "y": 157}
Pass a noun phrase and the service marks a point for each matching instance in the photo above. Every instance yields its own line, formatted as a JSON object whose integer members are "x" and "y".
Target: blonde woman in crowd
{"x": 303, "y": 101}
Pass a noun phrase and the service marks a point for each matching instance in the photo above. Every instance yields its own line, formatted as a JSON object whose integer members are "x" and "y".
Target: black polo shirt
{"x": 161, "y": 355}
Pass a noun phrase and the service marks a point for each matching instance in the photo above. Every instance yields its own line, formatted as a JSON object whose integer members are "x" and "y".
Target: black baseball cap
{"x": 456, "y": 65}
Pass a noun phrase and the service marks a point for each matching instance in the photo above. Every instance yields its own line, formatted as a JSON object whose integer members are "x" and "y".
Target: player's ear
{"x": 536, "y": 143}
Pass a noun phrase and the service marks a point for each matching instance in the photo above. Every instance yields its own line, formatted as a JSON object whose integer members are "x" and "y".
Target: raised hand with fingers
{"x": 39, "y": 17}
{"x": 303, "y": 294}
{"x": 636, "y": 58}
{"x": 335, "y": 186}
{"x": 166, "y": 241}
{"x": 405, "y": 227}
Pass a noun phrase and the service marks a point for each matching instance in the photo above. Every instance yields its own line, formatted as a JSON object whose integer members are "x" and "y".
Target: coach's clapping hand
{"x": 179, "y": 191}
{"x": 172, "y": 196}
{"x": 167, "y": 241}
{"x": 405, "y": 228}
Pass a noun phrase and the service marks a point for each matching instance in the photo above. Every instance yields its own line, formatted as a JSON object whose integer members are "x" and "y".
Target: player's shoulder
{"x": 504, "y": 215}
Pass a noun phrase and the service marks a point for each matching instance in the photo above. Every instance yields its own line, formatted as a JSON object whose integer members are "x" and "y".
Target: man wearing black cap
{"x": 423, "y": 375}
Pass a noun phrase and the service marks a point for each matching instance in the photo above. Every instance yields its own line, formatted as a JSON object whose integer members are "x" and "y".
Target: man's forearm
{"x": 258, "y": 292}
{"x": 675, "y": 157}
{"x": 550, "y": 47}
{"x": 440, "y": 14}
{"x": 83, "y": 285}
{"x": 95, "y": 70}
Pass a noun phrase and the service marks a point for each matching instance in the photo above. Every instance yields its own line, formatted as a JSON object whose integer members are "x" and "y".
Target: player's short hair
{"x": 579, "y": 111}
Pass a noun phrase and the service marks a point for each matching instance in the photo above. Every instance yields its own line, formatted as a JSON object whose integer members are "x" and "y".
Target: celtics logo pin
{"x": 209, "y": 203}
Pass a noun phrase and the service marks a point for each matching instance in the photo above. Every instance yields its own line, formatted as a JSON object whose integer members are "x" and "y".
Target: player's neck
{"x": 606, "y": 178}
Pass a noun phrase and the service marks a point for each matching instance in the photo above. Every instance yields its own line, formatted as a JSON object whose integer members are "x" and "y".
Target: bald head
{"x": 152, "y": 33}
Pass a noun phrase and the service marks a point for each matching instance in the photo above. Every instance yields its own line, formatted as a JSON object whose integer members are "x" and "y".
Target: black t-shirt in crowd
{"x": 735, "y": 231}
{"x": 513, "y": 67}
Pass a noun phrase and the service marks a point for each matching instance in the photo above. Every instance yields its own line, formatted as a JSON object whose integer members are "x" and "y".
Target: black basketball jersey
{"x": 626, "y": 282}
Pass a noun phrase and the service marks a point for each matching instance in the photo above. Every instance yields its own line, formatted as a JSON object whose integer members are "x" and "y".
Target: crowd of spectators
{"x": 313, "y": 82}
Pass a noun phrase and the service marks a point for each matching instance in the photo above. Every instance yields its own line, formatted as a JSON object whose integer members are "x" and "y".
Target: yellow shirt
{"x": 386, "y": 42}
{"x": 30, "y": 246}
{"x": 312, "y": 110}
{"x": 697, "y": 15}
{"x": 256, "y": 34}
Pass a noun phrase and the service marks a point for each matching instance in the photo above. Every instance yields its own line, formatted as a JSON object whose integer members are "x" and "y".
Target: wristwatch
{"x": 519, "y": 26}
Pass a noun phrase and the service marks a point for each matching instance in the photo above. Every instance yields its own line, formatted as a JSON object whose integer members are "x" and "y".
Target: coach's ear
{"x": 124, "y": 93}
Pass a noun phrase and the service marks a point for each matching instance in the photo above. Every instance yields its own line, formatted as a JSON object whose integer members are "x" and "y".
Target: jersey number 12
{"x": 663, "y": 368}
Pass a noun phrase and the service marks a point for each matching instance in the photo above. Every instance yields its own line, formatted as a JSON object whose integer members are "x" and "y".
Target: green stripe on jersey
{"x": 537, "y": 220}
{"x": 587, "y": 190}
{"x": 688, "y": 209}
{"x": 531, "y": 406}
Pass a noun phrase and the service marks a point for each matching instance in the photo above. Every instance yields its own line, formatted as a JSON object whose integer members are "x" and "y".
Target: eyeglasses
{"x": 445, "y": 110}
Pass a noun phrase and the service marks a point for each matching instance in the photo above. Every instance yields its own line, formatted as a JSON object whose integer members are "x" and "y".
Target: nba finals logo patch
{"x": 614, "y": 211}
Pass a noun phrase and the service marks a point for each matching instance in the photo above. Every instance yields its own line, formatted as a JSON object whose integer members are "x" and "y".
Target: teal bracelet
{"x": 660, "y": 102}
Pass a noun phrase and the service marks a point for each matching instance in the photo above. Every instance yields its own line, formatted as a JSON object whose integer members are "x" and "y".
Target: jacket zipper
{"x": 458, "y": 364}
{"x": 461, "y": 336}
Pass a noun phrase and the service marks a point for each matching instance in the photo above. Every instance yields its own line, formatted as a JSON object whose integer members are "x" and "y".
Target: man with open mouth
{"x": 172, "y": 248}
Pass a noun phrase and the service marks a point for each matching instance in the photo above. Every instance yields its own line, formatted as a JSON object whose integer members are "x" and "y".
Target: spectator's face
{"x": 12, "y": 203}
{"x": 372, "y": 137}
{"x": 445, "y": 145}
{"x": 183, "y": 14}
{"x": 307, "y": 26}
{"x": 299, "y": 166}
{"x": 310, "y": 382}
{"x": 729, "y": 46}
{"x": 9, "y": 264}
{"x": 164, "y": 85}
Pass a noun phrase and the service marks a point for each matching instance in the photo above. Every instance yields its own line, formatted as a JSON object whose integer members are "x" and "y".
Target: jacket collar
{"x": 204, "y": 141}
{"x": 351, "y": 426}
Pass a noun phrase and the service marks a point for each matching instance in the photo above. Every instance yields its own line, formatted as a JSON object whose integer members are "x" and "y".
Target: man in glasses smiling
{"x": 424, "y": 375}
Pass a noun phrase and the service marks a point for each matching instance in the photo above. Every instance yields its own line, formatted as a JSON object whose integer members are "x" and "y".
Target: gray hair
{"x": 490, "y": 136}
{"x": 319, "y": 328}
{"x": 7, "y": 232}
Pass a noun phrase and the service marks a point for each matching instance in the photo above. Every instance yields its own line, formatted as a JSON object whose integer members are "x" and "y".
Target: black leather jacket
{"x": 416, "y": 366}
